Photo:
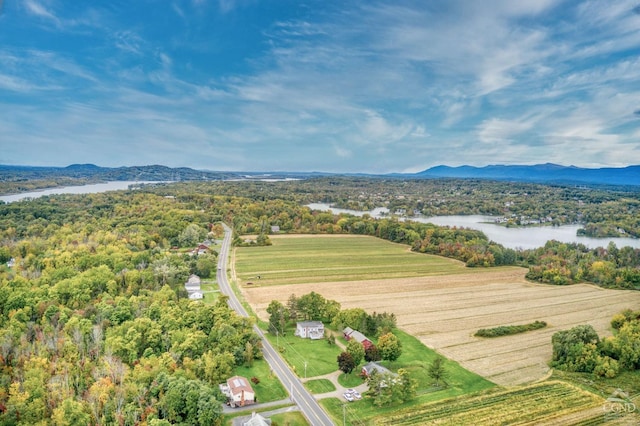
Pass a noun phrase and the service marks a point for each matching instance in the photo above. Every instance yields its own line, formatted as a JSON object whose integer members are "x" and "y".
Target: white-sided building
{"x": 193, "y": 287}
{"x": 238, "y": 391}
{"x": 313, "y": 330}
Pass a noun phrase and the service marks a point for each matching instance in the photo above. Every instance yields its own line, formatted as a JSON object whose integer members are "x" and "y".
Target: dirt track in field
{"x": 445, "y": 311}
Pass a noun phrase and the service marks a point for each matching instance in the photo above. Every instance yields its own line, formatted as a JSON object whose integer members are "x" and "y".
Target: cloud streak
{"x": 360, "y": 86}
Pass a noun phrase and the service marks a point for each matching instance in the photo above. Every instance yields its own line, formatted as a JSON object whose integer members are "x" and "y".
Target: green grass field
{"x": 294, "y": 260}
{"x": 320, "y": 357}
{"x": 320, "y": 386}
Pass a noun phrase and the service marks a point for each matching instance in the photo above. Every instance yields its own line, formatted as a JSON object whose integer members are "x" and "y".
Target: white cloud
{"x": 497, "y": 130}
{"x": 37, "y": 9}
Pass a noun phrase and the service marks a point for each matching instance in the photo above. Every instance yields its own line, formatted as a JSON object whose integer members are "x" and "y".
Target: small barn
{"x": 238, "y": 391}
{"x": 349, "y": 333}
{"x": 310, "y": 330}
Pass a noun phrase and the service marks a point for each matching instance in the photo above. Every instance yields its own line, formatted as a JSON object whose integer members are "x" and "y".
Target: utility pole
{"x": 305, "y": 369}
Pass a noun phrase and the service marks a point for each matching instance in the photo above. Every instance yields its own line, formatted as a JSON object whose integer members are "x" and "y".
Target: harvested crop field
{"x": 444, "y": 311}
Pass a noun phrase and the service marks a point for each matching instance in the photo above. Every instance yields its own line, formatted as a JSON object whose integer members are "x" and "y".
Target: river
{"x": 515, "y": 238}
{"x": 80, "y": 189}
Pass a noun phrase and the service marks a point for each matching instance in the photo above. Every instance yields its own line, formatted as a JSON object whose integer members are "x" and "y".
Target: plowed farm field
{"x": 441, "y": 302}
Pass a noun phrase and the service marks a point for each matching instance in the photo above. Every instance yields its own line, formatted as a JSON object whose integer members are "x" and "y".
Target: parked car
{"x": 348, "y": 397}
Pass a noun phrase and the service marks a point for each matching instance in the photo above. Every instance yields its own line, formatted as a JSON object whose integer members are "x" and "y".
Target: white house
{"x": 239, "y": 392}
{"x": 193, "y": 286}
{"x": 310, "y": 330}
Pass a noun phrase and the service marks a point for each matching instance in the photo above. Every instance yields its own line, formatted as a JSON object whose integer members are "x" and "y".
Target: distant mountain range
{"x": 541, "y": 173}
{"x": 545, "y": 173}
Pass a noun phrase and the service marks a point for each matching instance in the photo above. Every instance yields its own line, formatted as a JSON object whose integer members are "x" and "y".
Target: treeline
{"x": 568, "y": 263}
{"x": 580, "y": 349}
{"x": 610, "y": 212}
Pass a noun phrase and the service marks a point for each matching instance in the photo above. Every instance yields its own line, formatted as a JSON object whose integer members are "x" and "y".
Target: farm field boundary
{"x": 442, "y": 306}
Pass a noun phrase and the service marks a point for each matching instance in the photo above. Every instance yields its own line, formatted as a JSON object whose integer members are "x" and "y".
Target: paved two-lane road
{"x": 298, "y": 393}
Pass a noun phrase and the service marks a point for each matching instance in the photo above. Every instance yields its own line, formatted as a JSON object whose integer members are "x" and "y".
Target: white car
{"x": 356, "y": 395}
{"x": 348, "y": 397}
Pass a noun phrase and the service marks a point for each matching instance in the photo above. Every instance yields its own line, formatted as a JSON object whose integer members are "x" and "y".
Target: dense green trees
{"x": 580, "y": 349}
{"x": 372, "y": 325}
{"x": 356, "y": 350}
{"x": 94, "y": 324}
{"x": 390, "y": 388}
{"x": 311, "y": 306}
{"x": 346, "y": 364}
{"x": 278, "y": 317}
{"x": 390, "y": 347}
{"x": 567, "y": 263}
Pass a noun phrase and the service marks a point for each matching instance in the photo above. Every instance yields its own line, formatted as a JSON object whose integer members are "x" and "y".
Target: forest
{"x": 96, "y": 326}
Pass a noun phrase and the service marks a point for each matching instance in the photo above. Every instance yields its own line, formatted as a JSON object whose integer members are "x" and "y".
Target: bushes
{"x": 507, "y": 330}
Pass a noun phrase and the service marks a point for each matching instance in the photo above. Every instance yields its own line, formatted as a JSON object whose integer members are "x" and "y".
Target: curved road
{"x": 298, "y": 393}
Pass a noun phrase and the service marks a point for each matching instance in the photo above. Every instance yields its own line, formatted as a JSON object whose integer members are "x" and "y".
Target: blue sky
{"x": 319, "y": 85}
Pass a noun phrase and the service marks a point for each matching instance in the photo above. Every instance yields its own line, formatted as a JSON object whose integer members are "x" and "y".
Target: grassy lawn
{"x": 320, "y": 386}
{"x": 210, "y": 292}
{"x": 416, "y": 358}
{"x": 269, "y": 388}
{"x": 320, "y": 357}
{"x": 303, "y": 259}
{"x": 352, "y": 379}
{"x": 293, "y": 418}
